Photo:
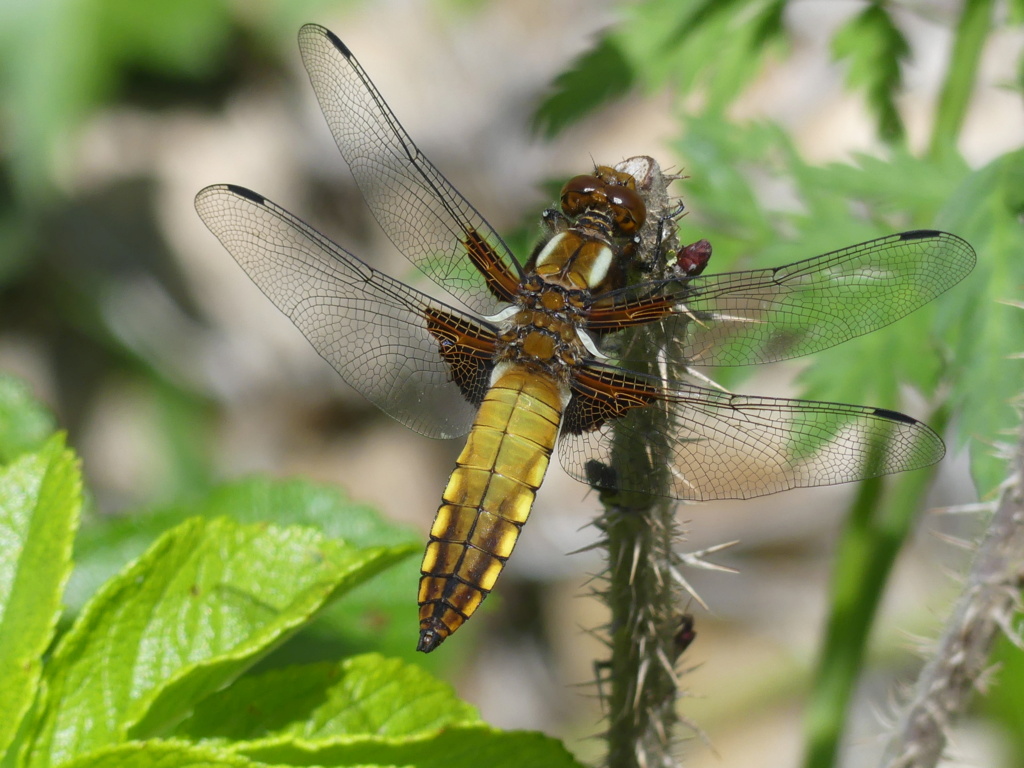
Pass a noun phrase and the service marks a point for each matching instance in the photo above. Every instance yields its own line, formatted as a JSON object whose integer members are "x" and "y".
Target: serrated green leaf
{"x": 901, "y": 191}
{"x": 983, "y": 316}
{"x": 374, "y": 615}
{"x": 24, "y": 422}
{"x": 201, "y": 606}
{"x": 710, "y": 48}
{"x": 164, "y": 754}
{"x": 459, "y": 746}
{"x": 874, "y": 49}
{"x": 40, "y": 501}
{"x": 364, "y": 695}
{"x": 594, "y": 78}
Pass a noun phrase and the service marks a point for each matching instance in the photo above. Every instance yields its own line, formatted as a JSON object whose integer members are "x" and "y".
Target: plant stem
{"x": 868, "y": 546}
{"x": 971, "y": 33}
{"x": 642, "y": 590}
{"x": 642, "y": 596}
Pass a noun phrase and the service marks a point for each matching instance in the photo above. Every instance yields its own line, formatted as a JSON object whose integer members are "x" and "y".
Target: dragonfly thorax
{"x": 546, "y": 329}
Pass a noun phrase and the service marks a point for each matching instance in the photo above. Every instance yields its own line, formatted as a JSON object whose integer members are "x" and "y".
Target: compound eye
{"x": 578, "y": 194}
{"x": 628, "y": 208}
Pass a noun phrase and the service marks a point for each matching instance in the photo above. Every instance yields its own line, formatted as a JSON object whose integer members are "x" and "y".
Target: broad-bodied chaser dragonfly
{"x": 524, "y": 359}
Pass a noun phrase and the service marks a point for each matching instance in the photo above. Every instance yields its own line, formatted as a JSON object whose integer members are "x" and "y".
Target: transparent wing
{"x": 370, "y": 327}
{"x": 764, "y": 315}
{"x": 723, "y": 446}
{"x": 423, "y": 214}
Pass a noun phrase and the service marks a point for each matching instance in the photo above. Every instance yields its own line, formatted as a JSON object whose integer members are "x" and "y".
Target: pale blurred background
{"x": 172, "y": 371}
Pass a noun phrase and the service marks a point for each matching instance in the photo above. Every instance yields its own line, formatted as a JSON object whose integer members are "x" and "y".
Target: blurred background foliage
{"x": 800, "y": 128}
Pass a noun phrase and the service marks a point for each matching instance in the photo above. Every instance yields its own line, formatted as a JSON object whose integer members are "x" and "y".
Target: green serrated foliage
{"x": 103, "y": 548}
{"x": 459, "y": 746}
{"x": 364, "y": 695}
{"x": 25, "y": 423}
{"x": 899, "y": 191}
{"x": 714, "y": 48}
{"x": 164, "y": 754}
{"x": 984, "y": 317}
{"x": 40, "y": 501}
{"x": 717, "y": 187}
{"x": 814, "y": 210}
{"x": 202, "y": 605}
{"x": 596, "y": 77}
{"x": 711, "y": 47}
{"x": 375, "y": 615}
{"x": 874, "y": 49}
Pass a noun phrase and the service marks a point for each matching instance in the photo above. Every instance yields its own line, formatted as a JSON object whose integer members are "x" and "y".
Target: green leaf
{"x": 207, "y": 601}
{"x": 24, "y": 422}
{"x": 459, "y": 746}
{"x": 984, "y": 317}
{"x": 596, "y": 77}
{"x": 368, "y": 694}
{"x": 61, "y": 60}
{"x": 40, "y": 500}
{"x": 375, "y": 615}
{"x": 709, "y": 48}
{"x": 164, "y": 754}
{"x": 1004, "y": 698}
{"x": 875, "y": 49}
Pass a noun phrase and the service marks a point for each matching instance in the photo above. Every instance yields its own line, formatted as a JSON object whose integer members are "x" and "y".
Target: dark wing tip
{"x": 315, "y": 30}
{"x": 885, "y": 413}
{"x": 336, "y": 41}
{"x": 920, "y": 234}
{"x": 959, "y": 253}
{"x": 928, "y": 446}
{"x": 248, "y": 194}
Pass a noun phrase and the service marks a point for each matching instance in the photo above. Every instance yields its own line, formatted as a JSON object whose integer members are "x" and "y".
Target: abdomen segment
{"x": 488, "y": 498}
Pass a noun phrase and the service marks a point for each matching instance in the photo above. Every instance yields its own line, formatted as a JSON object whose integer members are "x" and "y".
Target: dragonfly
{"x": 521, "y": 354}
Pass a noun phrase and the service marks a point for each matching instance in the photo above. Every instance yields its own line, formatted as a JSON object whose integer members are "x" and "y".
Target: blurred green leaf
{"x": 184, "y": 37}
{"x": 597, "y": 76}
{"x": 983, "y": 317}
{"x": 202, "y": 605}
{"x": 40, "y": 500}
{"x": 1004, "y": 698}
{"x": 25, "y": 423}
{"x": 365, "y": 694}
{"x": 60, "y": 60}
{"x": 711, "y": 47}
{"x": 874, "y": 49}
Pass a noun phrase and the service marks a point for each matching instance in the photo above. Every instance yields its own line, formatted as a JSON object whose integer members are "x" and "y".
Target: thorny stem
{"x": 643, "y": 599}
{"x": 990, "y": 599}
{"x": 643, "y": 595}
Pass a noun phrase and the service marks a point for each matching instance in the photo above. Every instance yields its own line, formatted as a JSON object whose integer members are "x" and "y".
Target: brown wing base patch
{"x": 602, "y": 395}
{"x": 466, "y": 348}
{"x": 502, "y": 281}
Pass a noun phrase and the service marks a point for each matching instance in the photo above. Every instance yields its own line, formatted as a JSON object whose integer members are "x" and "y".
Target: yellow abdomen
{"x": 488, "y": 498}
